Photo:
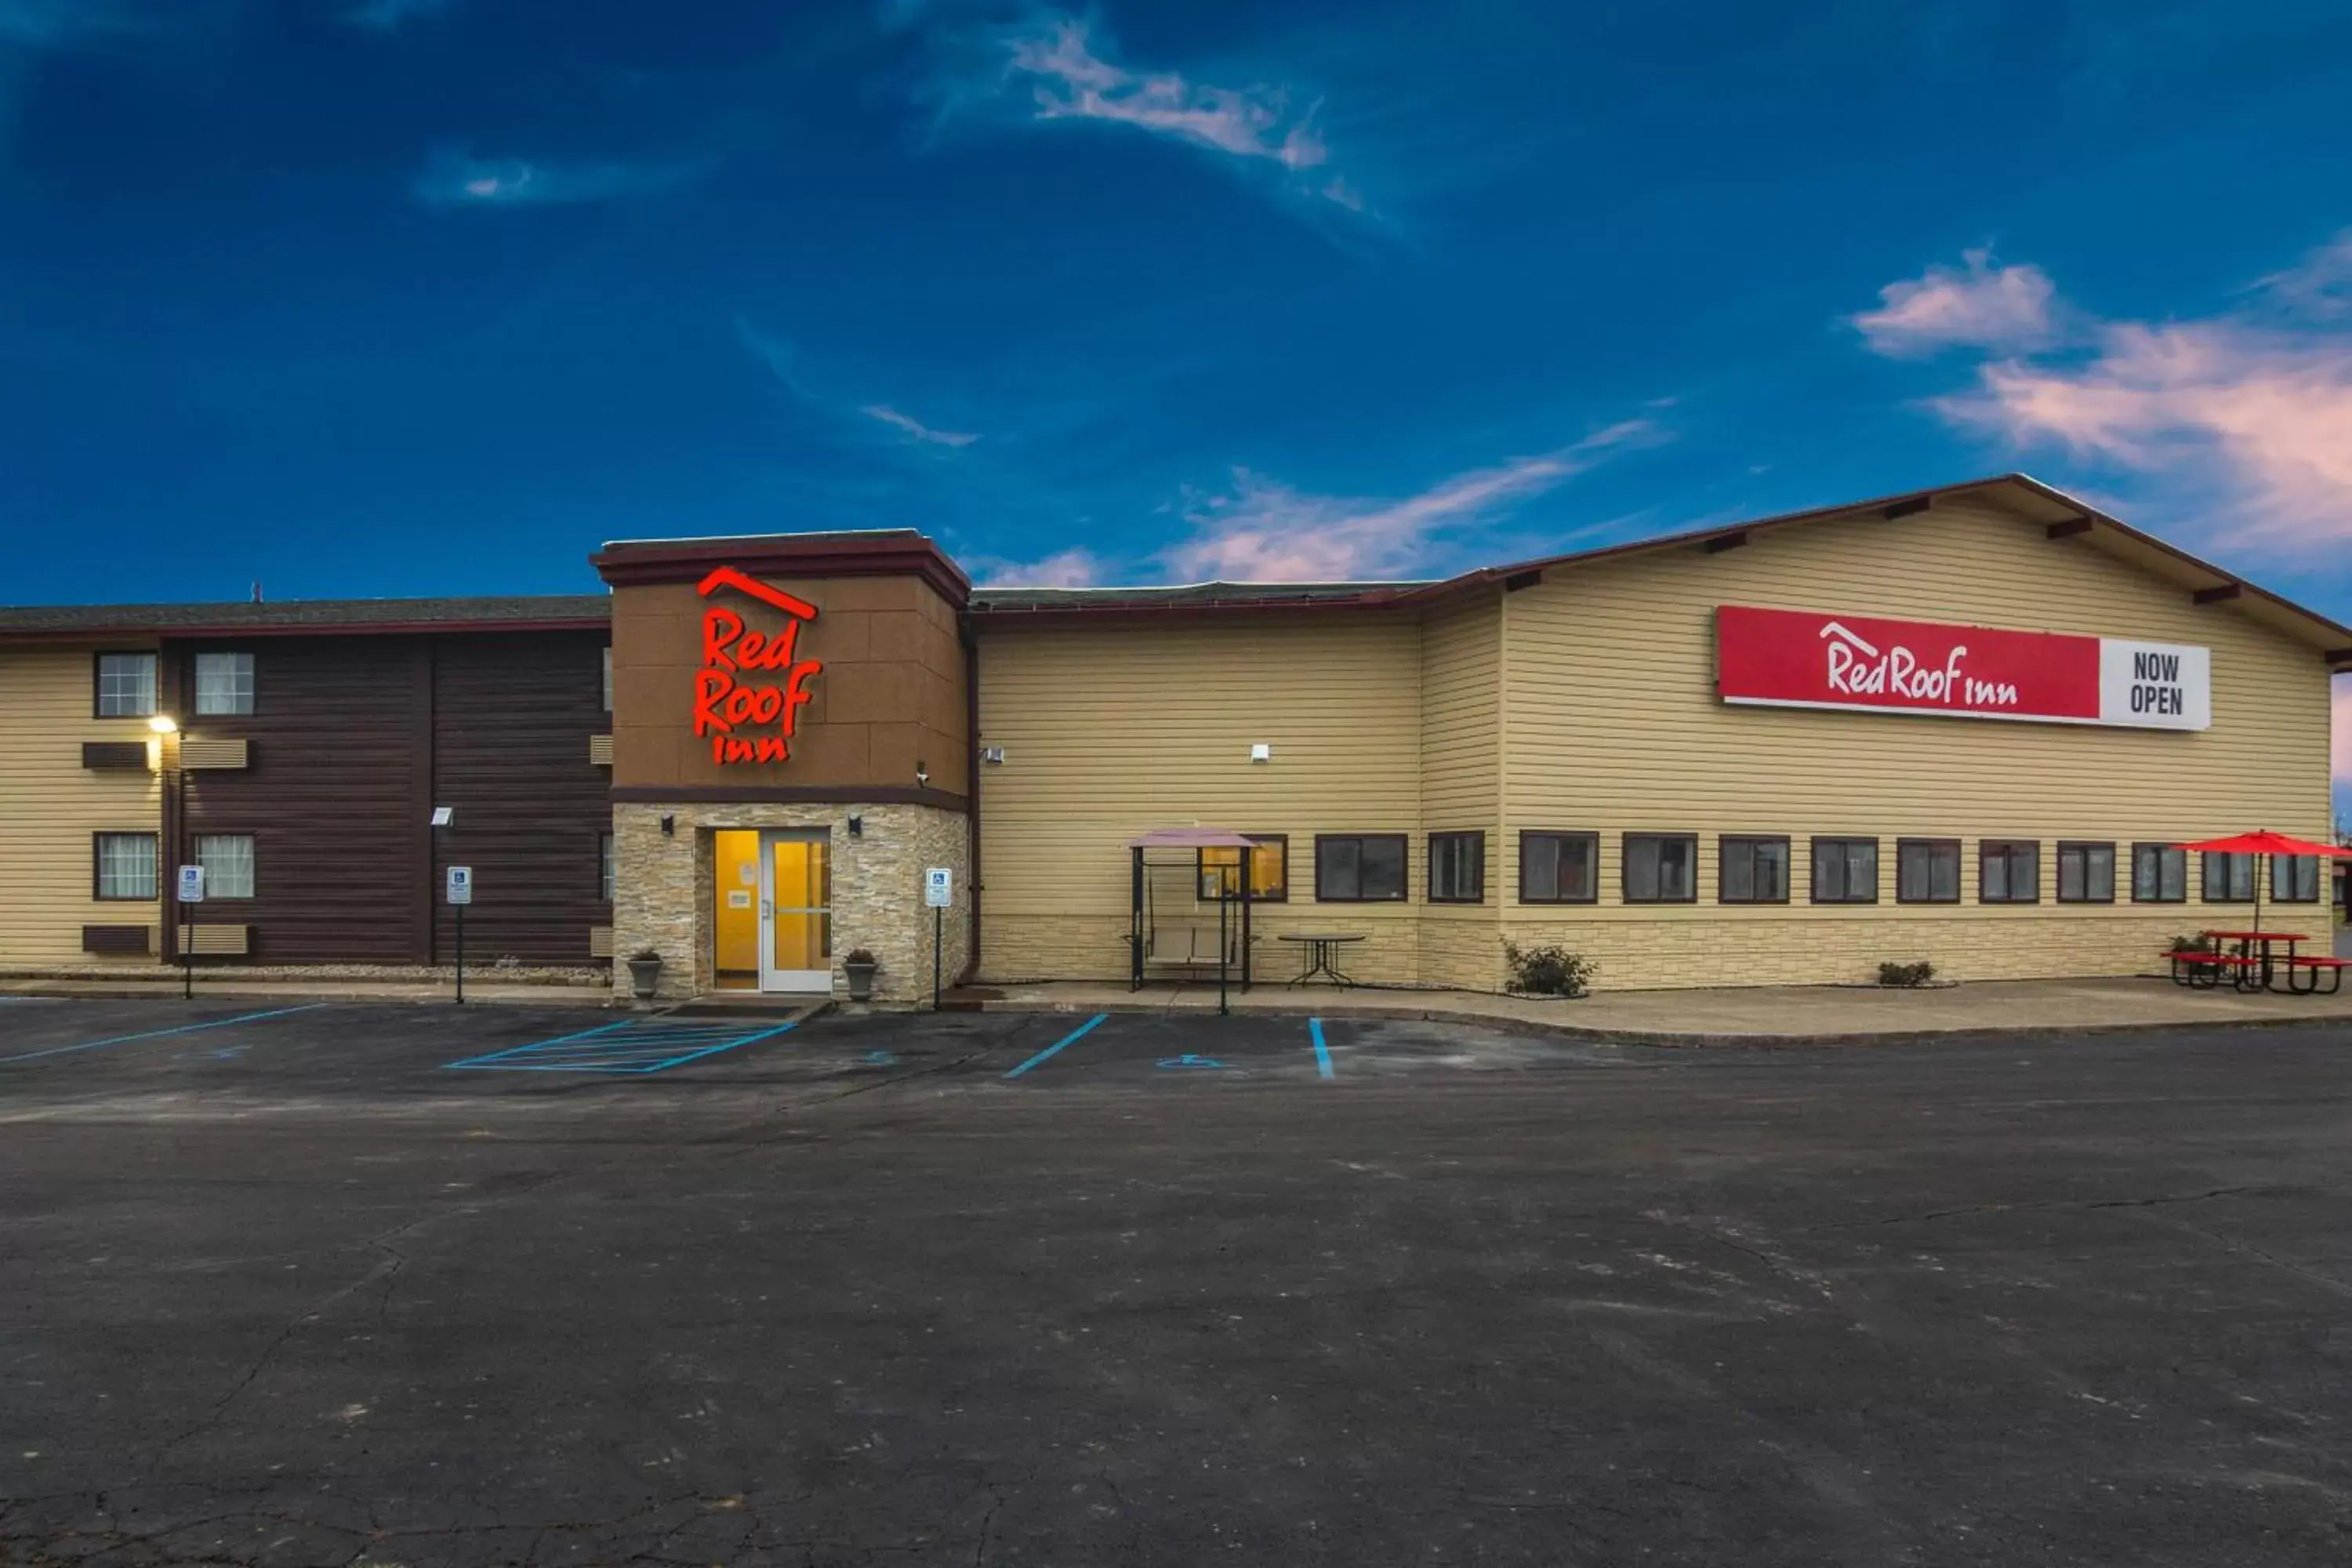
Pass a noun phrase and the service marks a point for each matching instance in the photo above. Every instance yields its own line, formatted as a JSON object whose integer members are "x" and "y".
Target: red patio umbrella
{"x": 2265, "y": 842}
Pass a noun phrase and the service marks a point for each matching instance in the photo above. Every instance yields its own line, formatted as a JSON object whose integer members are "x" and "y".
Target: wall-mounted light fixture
{"x": 857, "y": 827}
{"x": 669, "y": 828}
{"x": 922, "y": 773}
{"x": 993, "y": 755}
{"x": 1260, "y": 752}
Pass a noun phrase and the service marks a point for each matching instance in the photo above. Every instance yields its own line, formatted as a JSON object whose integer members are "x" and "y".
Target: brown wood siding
{"x": 335, "y": 799}
{"x": 511, "y": 716}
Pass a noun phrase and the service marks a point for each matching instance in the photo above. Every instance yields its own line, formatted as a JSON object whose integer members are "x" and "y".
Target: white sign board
{"x": 938, "y": 887}
{"x": 443, "y": 816}
{"x": 461, "y": 884}
{"x": 191, "y": 884}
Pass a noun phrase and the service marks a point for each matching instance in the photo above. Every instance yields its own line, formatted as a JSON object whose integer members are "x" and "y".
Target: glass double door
{"x": 772, "y": 927}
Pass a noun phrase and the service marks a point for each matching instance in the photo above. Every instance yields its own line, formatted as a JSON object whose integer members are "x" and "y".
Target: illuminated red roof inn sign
{"x": 748, "y": 716}
{"x": 1801, "y": 658}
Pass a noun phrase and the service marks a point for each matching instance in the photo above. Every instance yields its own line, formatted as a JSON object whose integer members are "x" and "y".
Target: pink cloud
{"x": 1066, "y": 569}
{"x": 1069, "y": 80}
{"x": 1983, "y": 307}
{"x": 2252, "y": 407}
{"x": 2270, "y": 412}
{"x": 1269, "y": 532}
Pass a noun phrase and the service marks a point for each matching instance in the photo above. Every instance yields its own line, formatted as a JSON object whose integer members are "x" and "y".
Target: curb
{"x": 562, "y": 997}
{"x": 1670, "y": 1040}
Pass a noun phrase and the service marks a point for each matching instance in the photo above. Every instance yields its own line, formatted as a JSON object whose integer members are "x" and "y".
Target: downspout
{"x": 971, "y": 814}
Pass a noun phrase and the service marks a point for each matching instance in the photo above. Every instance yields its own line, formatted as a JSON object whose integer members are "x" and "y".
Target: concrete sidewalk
{"x": 1786, "y": 1014}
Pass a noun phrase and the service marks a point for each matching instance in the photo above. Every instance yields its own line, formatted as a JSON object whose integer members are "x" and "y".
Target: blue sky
{"x": 412, "y": 296}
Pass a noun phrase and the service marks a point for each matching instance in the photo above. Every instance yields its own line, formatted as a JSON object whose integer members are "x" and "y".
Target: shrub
{"x": 2192, "y": 944}
{"x": 646, "y": 956}
{"x": 1906, "y": 974}
{"x": 859, "y": 955}
{"x": 1547, "y": 971}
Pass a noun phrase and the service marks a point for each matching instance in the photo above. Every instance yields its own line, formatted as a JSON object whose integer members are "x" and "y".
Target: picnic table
{"x": 2254, "y": 966}
{"x": 1322, "y": 949}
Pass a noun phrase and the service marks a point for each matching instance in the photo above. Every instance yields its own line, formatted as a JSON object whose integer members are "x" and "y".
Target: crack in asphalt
{"x": 2060, "y": 1205}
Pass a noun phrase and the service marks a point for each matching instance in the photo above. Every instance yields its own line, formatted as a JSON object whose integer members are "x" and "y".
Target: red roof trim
{"x": 811, "y": 555}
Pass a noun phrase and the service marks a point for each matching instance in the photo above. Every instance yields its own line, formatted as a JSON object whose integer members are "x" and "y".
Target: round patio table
{"x": 1322, "y": 948}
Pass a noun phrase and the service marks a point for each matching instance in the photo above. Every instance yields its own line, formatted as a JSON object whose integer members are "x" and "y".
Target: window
{"x": 1359, "y": 868}
{"x": 126, "y": 866}
{"x": 1846, "y": 870}
{"x": 1926, "y": 870}
{"x": 2086, "y": 873}
{"x": 2229, "y": 879}
{"x": 604, "y": 875}
{"x": 2294, "y": 879}
{"x": 1559, "y": 867}
{"x": 1751, "y": 870}
{"x": 2159, "y": 874}
{"x": 228, "y": 860}
{"x": 608, "y": 677}
{"x": 2008, "y": 871}
{"x": 1269, "y": 857}
{"x": 223, "y": 683}
{"x": 1457, "y": 867}
{"x": 126, "y": 685}
{"x": 1661, "y": 868}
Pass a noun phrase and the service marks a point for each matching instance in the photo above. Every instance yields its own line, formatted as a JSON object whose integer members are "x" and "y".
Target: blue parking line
{"x": 159, "y": 1033}
{"x": 646, "y": 1047}
{"x": 1322, "y": 1051}
{"x": 1073, "y": 1038}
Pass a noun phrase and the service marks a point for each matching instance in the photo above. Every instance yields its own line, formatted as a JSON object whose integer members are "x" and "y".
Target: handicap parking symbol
{"x": 1188, "y": 1061}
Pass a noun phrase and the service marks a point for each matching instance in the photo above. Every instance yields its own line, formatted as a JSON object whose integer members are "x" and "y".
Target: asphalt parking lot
{"x": 374, "y": 1284}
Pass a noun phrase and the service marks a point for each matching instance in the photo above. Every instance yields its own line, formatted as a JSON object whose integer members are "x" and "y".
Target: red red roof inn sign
{"x": 1798, "y": 659}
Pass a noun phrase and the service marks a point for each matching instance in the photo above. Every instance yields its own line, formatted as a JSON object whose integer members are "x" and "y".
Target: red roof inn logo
{"x": 1795, "y": 658}
{"x": 728, "y": 696}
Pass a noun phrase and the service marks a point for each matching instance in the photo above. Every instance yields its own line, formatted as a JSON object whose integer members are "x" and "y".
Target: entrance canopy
{"x": 1190, "y": 839}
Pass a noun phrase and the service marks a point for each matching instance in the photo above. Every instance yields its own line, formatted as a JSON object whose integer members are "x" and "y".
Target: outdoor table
{"x": 2247, "y": 942}
{"x": 1322, "y": 948}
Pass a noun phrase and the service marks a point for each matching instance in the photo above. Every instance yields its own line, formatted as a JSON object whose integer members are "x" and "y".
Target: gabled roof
{"x": 551, "y": 612}
{"x": 2062, "y": 516}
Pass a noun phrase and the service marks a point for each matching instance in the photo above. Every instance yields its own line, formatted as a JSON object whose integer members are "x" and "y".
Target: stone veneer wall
{"x": 663, "y": 892}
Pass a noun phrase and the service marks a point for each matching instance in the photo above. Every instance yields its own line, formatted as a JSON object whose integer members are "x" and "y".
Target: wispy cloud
{"x": 915, "y": 428}
{"x": 452, "y": 178}
{"x": 391, "y": 16}
{"x": 845, "y": 413}
{"x": 1979, "y": 306}
{"x": 1055, "y": 68}
{"x": 1077, "y": 568}
{"x": 1269, "y": 532}
{"x": 68, "y": 24}
{"x": 2254, "y": 404}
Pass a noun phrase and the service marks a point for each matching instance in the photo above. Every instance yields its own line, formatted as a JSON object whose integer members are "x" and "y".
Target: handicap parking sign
{"x": 191, "y": 884}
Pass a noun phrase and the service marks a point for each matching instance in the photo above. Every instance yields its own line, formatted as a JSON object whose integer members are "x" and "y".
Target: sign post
{"x": 191, "y": 893}
{"x": 460, "y": 892}
{"x": 938, "y": 891}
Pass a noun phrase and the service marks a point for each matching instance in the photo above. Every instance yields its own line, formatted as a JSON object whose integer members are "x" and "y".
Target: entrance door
{"x": 795, "y": 910}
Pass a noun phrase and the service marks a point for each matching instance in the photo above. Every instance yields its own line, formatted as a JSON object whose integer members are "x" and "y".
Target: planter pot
{"x": 644, "y": 974}
{"x": 861, "y": 981}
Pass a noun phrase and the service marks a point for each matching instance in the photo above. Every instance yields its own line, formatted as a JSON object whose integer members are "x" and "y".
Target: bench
{"x": 1189, "y": 949}
{"x": 2203, "y": 970}
{"x": 2315, "y": 967}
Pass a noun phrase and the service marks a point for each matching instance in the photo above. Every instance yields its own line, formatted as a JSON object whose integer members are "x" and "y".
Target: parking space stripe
{"x": 1073, "y": 1038}
{"x": 630, "y": 1045}
{"x": 1322, "y": 1051}
{"x": 159, "y": 1033}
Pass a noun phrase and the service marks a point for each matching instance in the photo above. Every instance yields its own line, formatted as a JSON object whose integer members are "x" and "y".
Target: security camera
{"x": 922, "y": 774}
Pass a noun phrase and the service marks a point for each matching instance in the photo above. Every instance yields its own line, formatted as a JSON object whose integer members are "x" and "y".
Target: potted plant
{"x": 859, "y": 966}
{"x": 644, "y": 972}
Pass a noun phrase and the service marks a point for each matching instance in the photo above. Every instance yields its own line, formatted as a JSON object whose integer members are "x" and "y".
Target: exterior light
{"x": 164, "y": 725}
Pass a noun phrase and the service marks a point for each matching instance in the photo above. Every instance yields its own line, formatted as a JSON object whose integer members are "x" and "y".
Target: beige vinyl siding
{"x": 1107, "y": 733}
{"x": 50, "y": 806}
{"x": 1612, "y": 725}
{"x": 1461, "y": 772}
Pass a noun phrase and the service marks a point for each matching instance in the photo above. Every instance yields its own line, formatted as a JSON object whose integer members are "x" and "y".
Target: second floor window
{"x": 126, "y": 685}
{"x": 223, "y": 683}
